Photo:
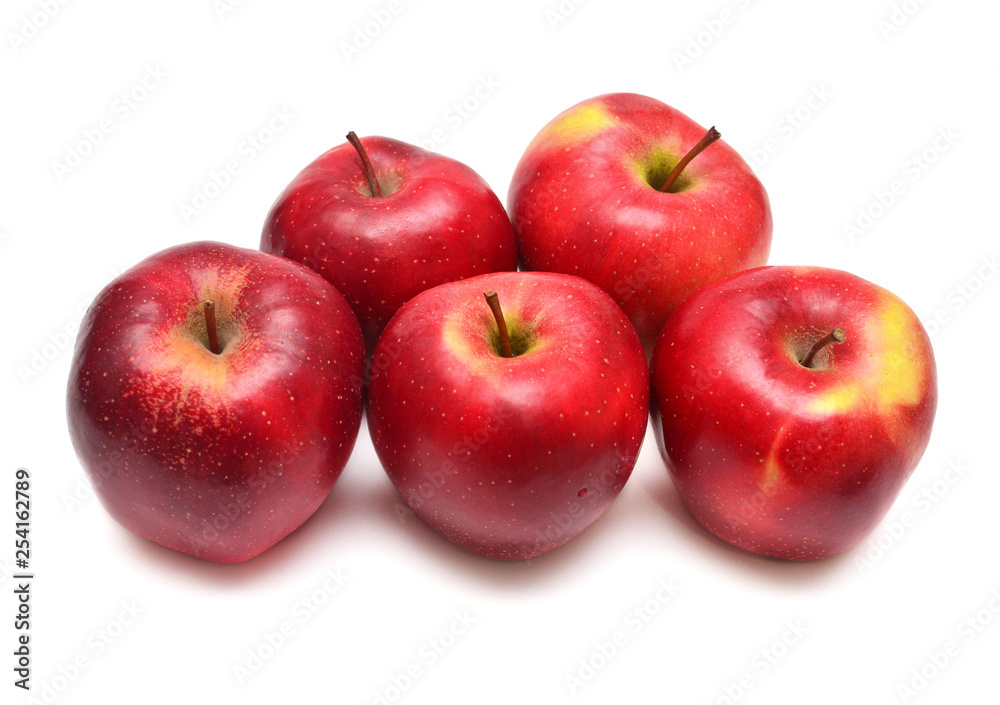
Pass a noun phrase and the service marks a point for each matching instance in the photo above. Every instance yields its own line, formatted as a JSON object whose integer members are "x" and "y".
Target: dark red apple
{"x": 215, "y": 396}
{"x": 383, "y": 233}
{"x": 626, "y": 192}
{"x": 791, "y": 404}
{"x": 509, "y": 457}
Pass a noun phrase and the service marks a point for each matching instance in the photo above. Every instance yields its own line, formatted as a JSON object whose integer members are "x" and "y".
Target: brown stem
{"x": 708, "y": 139}
{"x": 210, "y": 326}
{"x": 494, "y": 301}
{"x": 366, "y": 163}
{"x": 834, "y": 336}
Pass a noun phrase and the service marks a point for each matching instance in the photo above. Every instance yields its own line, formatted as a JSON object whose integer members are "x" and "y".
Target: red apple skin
{"x": 217, "y": 456}
{"x": 437, "y": 222}
{"x": 776, "y": 458}
{"x": 581, "y": 203}
{"x": 509, "y": 457}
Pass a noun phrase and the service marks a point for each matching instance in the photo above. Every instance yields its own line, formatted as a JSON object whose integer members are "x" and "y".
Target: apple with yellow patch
{"x": 791, "y": 404}
{"x": 215, "y": 396}
{"x": 636, "y": 197}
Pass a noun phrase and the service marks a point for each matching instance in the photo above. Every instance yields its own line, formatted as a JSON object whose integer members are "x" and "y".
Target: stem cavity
{"x": 834, "y": 336}
{"x": 494, "y": 303}
{"x": 711, "y": 136}
{"x": 210, "y": 326}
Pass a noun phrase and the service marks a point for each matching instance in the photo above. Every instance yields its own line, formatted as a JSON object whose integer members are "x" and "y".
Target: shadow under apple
{"x": 487, "y": 573}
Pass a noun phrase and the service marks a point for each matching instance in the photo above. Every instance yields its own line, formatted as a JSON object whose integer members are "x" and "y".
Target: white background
{"x": 887, "y": 90}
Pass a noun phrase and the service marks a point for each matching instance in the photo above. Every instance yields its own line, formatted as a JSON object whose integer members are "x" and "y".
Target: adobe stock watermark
{"x": 429, "y": 653}
{"x": 224, "y": 8}
{"x": 797, "y": 455}
{"x": 961, "y": 295}
{"x": 701, "y": 40}
{"x": 249, "y": 148}
{"x": 912, "y": 170}
{"x": 790, "y": 124}
{"x": 559, "y": 13}
{"x": 456, "y": 114}
{"x": 57, "y": 341}
{"x": 32, "y": 24}
{"x": 122, "y": 107}
{"x": 599, "y": 492}
{"x": 7, "y": 570}
{"x": 890, "y": 534}
{"x": 207, "y": 531}
{"x": 634, "y": 621}
{"x": 113, "y": 464}
{"x": 761, "y": 664}
{"x": 371, "y": 28}
{"x": 227, "y": 509}
{"x": 80, "y": 495}
{"x": 967, "y": 630}
{"x": 95, "y": 645}
{"x": 462, "y": 454}
{"x": 302, "y": 611}
{"x": 563, "y": 523}
{"x": 898, "y": 16}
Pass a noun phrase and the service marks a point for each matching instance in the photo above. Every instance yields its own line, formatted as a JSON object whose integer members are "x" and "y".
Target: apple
{"x": 791, "y": 404}
{"x": 214, "y": 397}
{"x": 509, "y": 455}
{"x": 383, "y": 220}
{"x": 626, "y": 192}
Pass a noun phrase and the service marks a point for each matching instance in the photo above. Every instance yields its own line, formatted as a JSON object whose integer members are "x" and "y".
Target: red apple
{"x": 215, "y": 396}
{"x": 791, "y": 404}
{"x": 509, "y": 457}
{"x": 383, "y": 220}
{"x": 596, "y": 194}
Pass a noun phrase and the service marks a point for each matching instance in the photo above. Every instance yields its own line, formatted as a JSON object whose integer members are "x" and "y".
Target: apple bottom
{"x": 223, "y": 515}
{"x": 816, "y": 492}
{"x": 512, "y": 521}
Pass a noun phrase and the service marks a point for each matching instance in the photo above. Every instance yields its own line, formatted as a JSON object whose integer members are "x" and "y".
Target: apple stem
{"x": 708, "y": 139}
{"x": 834, "y": 336}
{"x": 494, "y": 302}
{"x": 366, "y": 163}
{"x": 210, "y": 326}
